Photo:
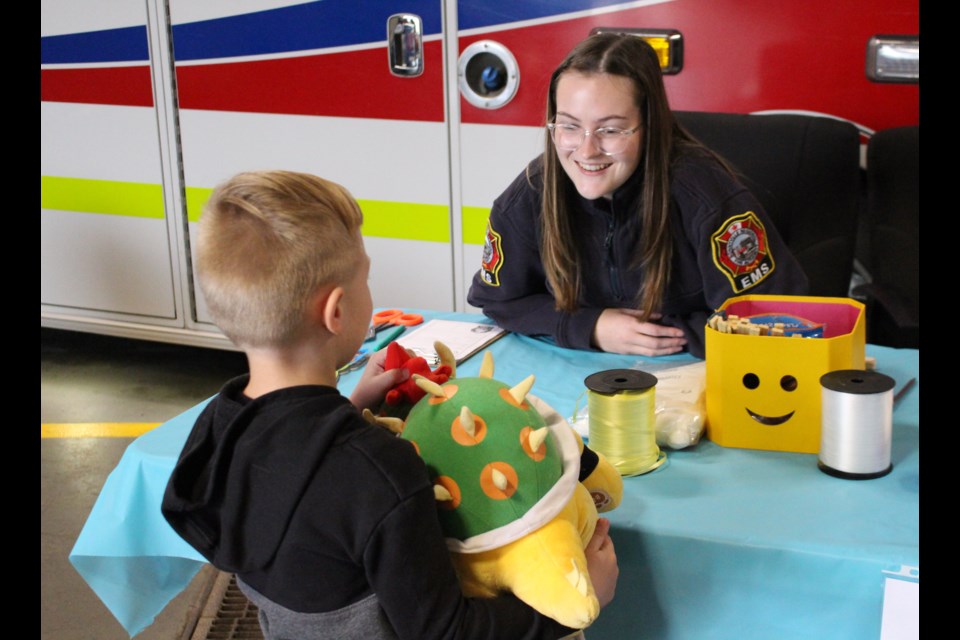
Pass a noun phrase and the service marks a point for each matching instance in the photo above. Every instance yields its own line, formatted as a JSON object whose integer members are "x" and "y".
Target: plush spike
{"x": 440, "y": 493}
{"x": 522, "y": 388}
{"x": 537, "y": 437}
{"x": 467, "y": 421}
{"x": 393, "y": 425}
{"x": 446, "y": 357}
{"x": 429, "y": 386}
{"x": 486, "y": 367}
{"x": 499, "y": 480}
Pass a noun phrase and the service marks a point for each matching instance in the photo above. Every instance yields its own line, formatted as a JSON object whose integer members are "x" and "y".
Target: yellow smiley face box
{"x": 763, "y": 391}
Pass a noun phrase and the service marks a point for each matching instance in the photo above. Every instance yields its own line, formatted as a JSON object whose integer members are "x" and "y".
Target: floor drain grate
{"x": 228, "y": 615}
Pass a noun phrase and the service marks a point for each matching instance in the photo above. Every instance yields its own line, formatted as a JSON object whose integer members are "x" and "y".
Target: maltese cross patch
{"x": 492, "y": 258}
{"x": 741, "y": 252}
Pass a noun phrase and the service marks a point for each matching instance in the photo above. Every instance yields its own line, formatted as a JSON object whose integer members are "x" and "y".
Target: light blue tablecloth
{"x": 717, "y": 543}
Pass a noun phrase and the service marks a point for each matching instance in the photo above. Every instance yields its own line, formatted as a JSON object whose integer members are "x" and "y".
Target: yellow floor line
{"x": 96, "y": 429}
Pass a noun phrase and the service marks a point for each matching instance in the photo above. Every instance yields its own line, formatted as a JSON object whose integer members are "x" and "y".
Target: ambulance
{"x": 424, "y": 109}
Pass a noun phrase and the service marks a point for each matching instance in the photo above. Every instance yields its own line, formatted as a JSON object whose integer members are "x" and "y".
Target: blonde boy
{"x": 282, "y": 267}
{"x": 328, "y": 522}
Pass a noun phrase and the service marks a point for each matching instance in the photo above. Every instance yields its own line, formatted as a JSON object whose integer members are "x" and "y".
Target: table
{"x": 716, "y": 543}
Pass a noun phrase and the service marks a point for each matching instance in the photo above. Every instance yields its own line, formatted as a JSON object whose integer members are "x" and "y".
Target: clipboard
{"x": 463, "y": 338}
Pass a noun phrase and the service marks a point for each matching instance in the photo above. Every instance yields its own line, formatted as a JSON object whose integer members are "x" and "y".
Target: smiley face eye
{"x": 751, "y": 381}
{"x": 788, "y": 383}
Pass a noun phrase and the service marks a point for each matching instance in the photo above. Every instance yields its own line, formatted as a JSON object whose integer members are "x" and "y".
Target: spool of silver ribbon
{"x": 857, "y": 426}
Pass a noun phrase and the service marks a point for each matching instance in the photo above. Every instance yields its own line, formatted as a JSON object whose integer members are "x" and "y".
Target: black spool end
{"x": 615, "y": 380}
{"x": 857, "y": 382}
{"x": 846, "y": 475}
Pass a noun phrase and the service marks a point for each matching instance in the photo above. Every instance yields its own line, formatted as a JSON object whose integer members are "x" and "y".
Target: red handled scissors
{"x": 396, "y": 317}
{"x": 391, "y": 317}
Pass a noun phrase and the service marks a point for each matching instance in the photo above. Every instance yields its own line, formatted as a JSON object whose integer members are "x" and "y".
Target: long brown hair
{"x": 632, "y": 58}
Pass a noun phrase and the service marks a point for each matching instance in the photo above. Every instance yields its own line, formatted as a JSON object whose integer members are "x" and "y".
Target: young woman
{"x": 626, "y": 233}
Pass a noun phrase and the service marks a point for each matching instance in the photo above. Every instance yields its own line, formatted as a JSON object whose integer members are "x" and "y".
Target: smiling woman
{"x": 600, "y": 160}
{"x": 618, "y": 237}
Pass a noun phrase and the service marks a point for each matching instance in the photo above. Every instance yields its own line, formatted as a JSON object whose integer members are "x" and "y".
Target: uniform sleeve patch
{"x": 741, "y": 252}
{"x": 492, "y": 258}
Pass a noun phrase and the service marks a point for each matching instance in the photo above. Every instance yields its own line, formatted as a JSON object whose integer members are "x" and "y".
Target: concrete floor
{"x": 88, "y": 378}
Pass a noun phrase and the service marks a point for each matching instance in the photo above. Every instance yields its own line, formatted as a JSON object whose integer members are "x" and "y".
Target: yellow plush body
{"x": 546, "y": 569}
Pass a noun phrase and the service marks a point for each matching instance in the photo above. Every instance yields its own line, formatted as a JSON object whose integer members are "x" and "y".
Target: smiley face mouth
{"x": 770, "y": 420}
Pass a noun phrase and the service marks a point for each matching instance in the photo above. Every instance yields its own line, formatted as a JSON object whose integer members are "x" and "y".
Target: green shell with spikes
{"x": 489, "y": 469}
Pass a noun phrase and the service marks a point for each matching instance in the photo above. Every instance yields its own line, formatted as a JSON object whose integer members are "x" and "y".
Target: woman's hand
{"x": 621, "y": 331}
{"x": 602, "y": 563}
{"x": 375, "y": 382}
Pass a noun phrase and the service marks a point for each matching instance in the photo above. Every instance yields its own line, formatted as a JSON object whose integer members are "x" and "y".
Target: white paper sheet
{"x": 463, "y": 338}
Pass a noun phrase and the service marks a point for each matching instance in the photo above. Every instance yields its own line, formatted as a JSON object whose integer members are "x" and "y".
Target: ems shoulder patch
{"x": 492, "y": 257}
{"x": 741, "y": 252}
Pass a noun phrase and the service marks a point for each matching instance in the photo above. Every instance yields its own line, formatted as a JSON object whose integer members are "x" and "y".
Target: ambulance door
{"x": 108, "y": 225}
{"x": 273, "y": 84}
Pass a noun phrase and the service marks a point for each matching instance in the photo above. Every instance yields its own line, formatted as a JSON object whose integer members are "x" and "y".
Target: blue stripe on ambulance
{"x": 126, "y": 44}
{"x": 297, "y": 28}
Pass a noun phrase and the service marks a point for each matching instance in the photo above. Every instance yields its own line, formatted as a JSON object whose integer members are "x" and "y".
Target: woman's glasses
{"x": 609, "y": 140}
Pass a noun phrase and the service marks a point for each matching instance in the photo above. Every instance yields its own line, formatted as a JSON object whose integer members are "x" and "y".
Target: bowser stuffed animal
{"x": 506, "y": 473}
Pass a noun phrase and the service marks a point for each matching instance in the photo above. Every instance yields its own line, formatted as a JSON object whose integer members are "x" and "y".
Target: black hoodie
{"x": 316, "y": 510}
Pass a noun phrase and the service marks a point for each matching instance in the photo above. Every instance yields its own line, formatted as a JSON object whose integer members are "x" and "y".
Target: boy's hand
{"x": 375, "y": 382}
{"x": 602, "y": 562}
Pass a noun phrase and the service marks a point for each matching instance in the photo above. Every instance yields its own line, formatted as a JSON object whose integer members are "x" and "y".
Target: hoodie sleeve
{"x": 511, "y": 285}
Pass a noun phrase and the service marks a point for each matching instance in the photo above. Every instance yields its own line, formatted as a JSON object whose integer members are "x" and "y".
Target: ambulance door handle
{"x": 405, "y": 44}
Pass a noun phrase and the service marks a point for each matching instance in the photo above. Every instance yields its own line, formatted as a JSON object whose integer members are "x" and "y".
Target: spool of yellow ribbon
{"x": 622, "y": 423}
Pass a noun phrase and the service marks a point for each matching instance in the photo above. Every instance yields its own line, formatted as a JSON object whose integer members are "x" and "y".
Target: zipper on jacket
{"x": 611, "y": 260}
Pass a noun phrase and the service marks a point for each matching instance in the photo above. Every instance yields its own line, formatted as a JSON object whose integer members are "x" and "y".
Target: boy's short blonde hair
{"x": 267, "y": 241}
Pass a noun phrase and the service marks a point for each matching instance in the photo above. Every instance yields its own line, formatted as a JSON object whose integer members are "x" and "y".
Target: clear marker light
{"x": 894, "y": 59}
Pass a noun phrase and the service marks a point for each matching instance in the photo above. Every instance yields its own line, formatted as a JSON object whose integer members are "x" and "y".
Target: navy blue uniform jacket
{"x": 724, "y": 246}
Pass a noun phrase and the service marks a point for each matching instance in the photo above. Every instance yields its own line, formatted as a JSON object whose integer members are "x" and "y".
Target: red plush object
{"x": 407, "y": 393}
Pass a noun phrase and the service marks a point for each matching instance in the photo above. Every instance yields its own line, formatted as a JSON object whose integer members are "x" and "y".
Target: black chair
{"x": 892, "y": 229}
{"x": 805, "y": 171}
